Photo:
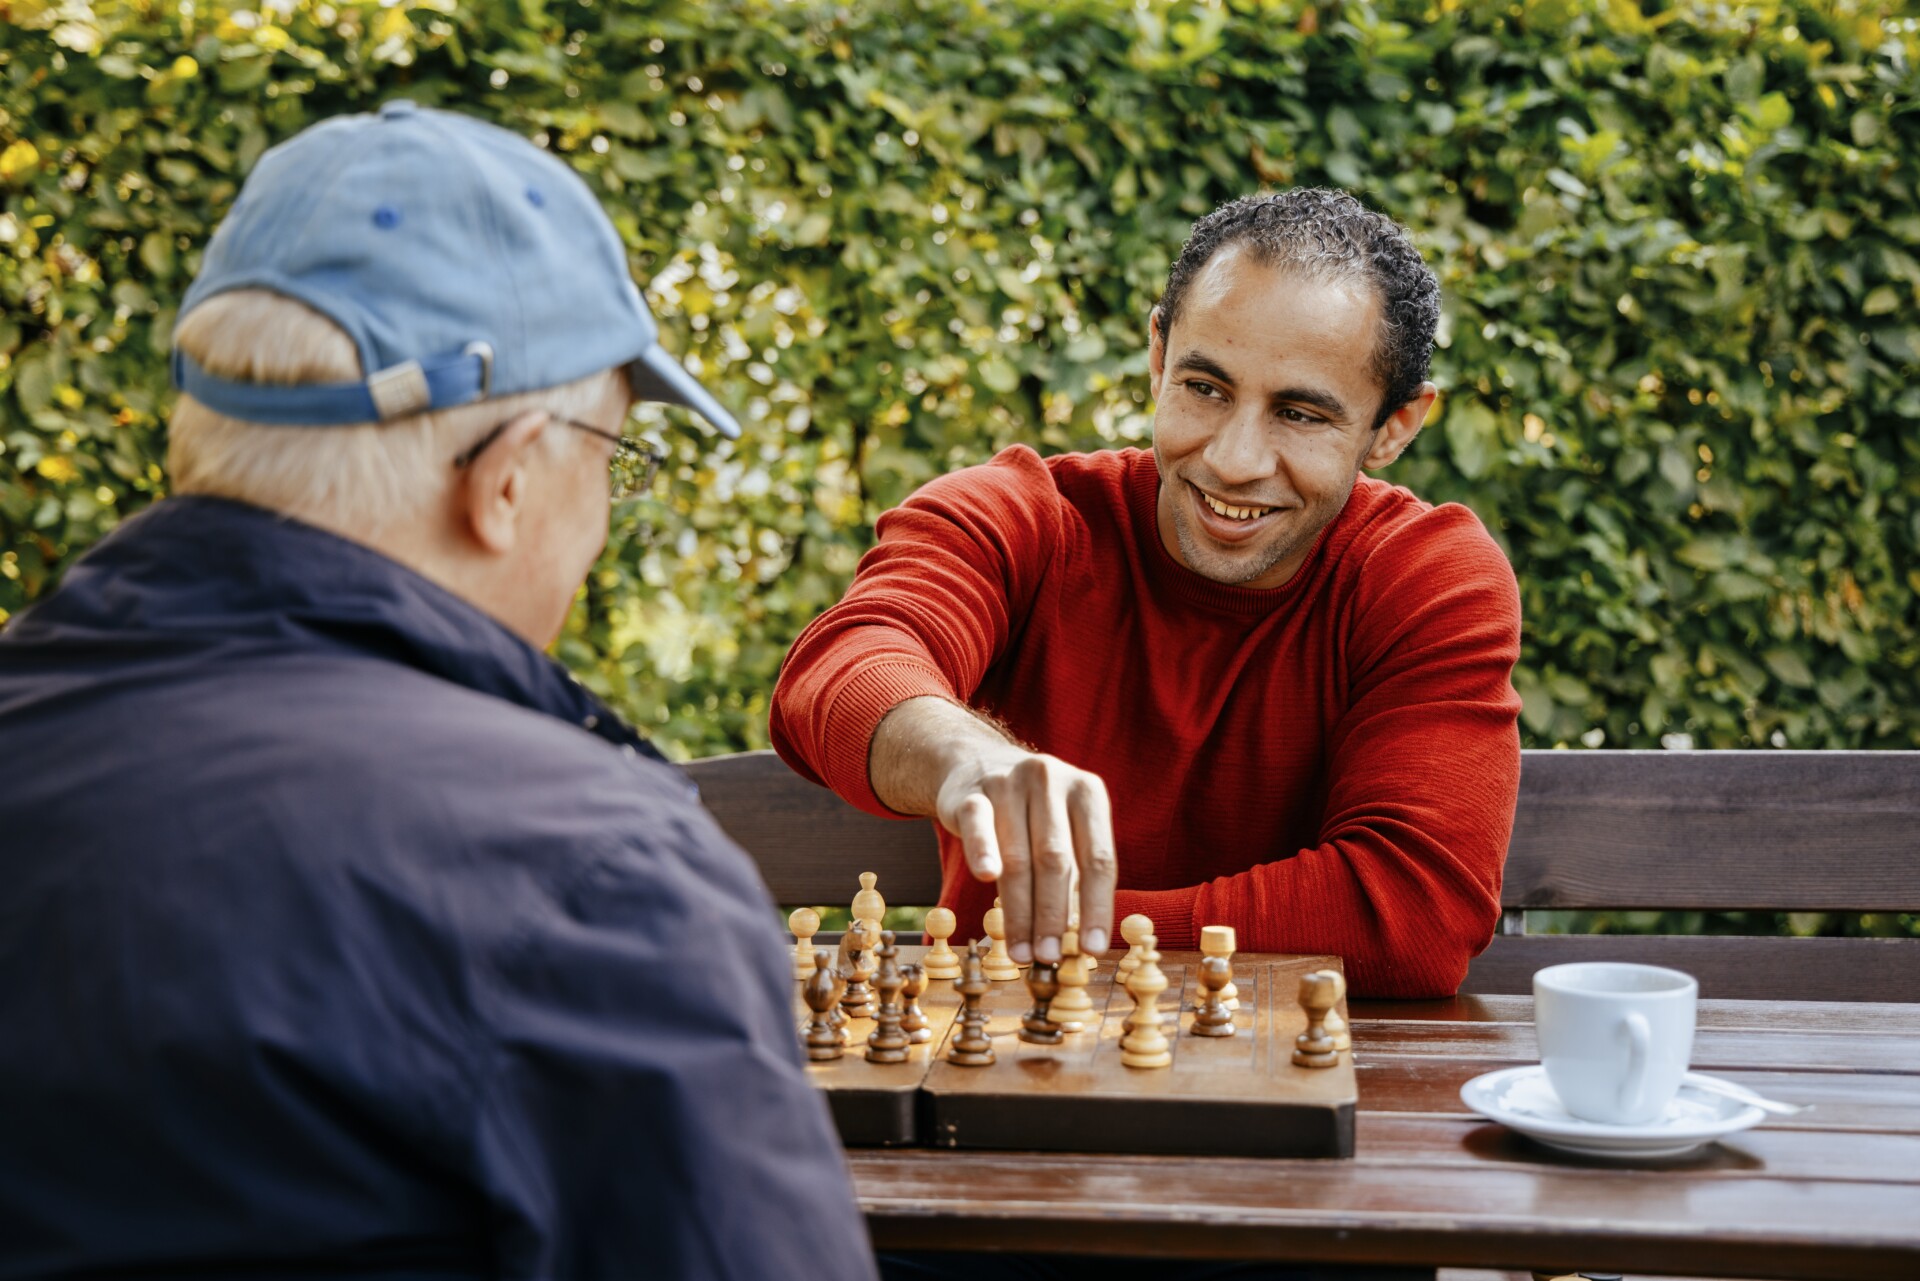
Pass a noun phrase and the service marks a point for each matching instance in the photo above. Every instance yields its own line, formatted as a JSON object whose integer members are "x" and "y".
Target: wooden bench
{"x": 1719, "y": 831}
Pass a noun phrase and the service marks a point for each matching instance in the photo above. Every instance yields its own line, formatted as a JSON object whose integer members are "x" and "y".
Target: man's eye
{"x": 1301, "y": 417}
{"x": 1205, "y": 390}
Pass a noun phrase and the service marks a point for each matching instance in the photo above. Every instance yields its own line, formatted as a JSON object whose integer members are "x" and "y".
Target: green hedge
{"x": 1678, "y": 253}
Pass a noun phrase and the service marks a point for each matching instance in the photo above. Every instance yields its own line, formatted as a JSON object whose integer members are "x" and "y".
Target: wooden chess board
{"x": 1224, "y": 1096}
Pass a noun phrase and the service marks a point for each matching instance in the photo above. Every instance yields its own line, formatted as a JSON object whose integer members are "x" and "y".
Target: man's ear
{"x": 1156, "y": 351}
{"x": 1402, "y": 425}
{"x": 490, "y": 493}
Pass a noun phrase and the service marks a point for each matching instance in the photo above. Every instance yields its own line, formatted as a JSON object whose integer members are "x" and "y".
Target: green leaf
{"x": 1472, "y": 437}
{"x": 1788, "y": 667}
{"x": 156, "y": 254}
{"x": 999, "y": 375}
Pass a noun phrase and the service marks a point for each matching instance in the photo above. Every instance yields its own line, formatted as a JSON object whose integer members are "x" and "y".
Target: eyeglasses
{"x": 631, "y": 469}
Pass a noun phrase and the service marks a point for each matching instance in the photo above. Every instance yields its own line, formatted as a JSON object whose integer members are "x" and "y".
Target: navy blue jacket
{"x": 343, "y": 933}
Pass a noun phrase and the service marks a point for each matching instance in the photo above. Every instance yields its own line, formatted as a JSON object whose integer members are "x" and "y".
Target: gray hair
{"x": 364, "y": 477}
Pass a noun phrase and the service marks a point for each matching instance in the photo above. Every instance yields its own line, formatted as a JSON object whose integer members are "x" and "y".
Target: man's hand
{"x": 1031, "y": 822}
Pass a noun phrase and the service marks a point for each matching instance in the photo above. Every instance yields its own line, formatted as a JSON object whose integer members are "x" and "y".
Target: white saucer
{"x": 1522, "y": 1099}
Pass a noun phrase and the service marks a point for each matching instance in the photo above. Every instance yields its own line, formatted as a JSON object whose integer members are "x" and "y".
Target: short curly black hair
{"x": 1329, "y": 235}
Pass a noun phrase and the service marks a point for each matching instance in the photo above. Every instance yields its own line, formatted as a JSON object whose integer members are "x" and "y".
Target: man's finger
{"x": 1092, "y": 818}
{"x": 973, "y": 824}
{"x": 1016, "y": 888}
{"x": 1051, "y": 832}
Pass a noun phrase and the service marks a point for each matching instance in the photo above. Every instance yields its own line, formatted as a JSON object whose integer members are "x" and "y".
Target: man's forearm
{"x": 917, "y": 745}
{"x": 1031, "y": 822}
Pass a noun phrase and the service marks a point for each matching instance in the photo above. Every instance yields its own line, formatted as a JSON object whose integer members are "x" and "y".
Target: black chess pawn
{"x": 1043, "y": 980}
{"x": 823, "y": 1039}
{"x": 971, "y": 1046}
{"x": 913, "y": 1020}
{"x": 857, "y": 964}
{"x": 888, "y": 1043}
{"x": 1213, "y": 1018}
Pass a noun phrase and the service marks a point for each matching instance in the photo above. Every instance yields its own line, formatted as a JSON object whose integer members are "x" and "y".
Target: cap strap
{"x": 408, "y": 388}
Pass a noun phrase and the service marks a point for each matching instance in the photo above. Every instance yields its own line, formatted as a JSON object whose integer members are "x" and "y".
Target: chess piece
{"x": 1133, "y": 929}
{"x": 839, "y": 1018}
{"x": 941, "y": 961}
{"x": 1218, "y": 940}
{"x": 857, "y": 964}
{"x": 1145, "y": 1045}
{"x": 1337, "y": 1030}
{"x": 888, "y": 1043}
{"x": 1072, "y": 1009}
{"x": 999, "y": 965}
{"x": 823, "y": 1038}
{"x": 1213, "y": 1018}
{"x": 913, "y": 1019}
{"x": 867, "y": 904}
{"x": 972, "y": 1047}
{"x": 805, "y": 923}
{"x": 1043, "y": 980}
{"x": 1313, "y": 1048}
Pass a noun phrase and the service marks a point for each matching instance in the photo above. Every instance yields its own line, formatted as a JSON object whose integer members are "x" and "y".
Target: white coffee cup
{"x": 1615, "y": 1038}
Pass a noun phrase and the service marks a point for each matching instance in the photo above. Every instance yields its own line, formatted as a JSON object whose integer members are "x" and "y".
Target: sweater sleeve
{"x": 1422, "y": 778}
{"x": 929, "y": 611}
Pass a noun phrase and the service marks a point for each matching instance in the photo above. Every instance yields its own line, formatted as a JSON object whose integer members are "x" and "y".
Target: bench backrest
{"x": 1783, "y": 831}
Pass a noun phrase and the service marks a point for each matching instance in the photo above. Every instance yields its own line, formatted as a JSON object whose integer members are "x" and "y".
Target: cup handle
{"x": 1639, "y": 1043}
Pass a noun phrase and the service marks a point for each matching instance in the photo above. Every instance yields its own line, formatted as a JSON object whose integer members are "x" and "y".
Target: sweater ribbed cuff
{"x": 855, "y": 713}
{"x": 1171, "y": 912}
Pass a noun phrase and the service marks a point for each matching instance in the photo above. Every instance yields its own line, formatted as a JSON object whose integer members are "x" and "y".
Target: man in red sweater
{"x": 1231, "y": 680}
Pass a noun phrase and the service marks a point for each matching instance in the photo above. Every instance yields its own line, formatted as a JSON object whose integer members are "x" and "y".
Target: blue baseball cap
{"x": 462, "y": 260}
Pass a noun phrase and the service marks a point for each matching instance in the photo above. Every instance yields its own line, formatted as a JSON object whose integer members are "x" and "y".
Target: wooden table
{"x": 1834, "y": 1192}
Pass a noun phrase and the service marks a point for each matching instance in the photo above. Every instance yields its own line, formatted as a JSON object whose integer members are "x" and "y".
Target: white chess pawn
{"x": 1072, "y": 1007}
{"x": 1218, "y": 940}
{"x": 1145, "y": 1045}
{"x": 867, "y": 904}
{"x": 805, "y": 923}
{"x": 998, "y": 964}
{"x": 941, "y": 961}
{"x": 1134, "y": 929}
{"x": 1337, "y": 1029}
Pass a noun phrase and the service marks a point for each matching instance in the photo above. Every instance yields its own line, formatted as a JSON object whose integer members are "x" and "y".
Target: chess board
{"x": 1222, "y": 1096}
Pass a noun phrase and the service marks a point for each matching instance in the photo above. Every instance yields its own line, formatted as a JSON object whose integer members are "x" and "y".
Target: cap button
{"x": 397, "y": 109}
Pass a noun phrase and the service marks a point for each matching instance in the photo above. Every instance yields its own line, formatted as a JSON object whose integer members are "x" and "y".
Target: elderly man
{"x": 1231, "y": 680}
{"x": 341, "y": 932}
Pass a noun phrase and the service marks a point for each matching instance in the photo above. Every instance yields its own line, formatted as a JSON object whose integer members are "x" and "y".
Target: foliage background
{"x": 1677, "y": 243}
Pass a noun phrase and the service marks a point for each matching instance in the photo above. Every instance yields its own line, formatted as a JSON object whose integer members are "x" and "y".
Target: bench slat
{"x": 1804, "y": 831}
{"x": 810, "y": 844}
{"x": 1807, "y": 831}
{"x": 1739, "y": 969}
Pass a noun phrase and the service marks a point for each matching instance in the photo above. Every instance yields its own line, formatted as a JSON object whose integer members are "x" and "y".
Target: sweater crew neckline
{"x": 1143, "y": 498}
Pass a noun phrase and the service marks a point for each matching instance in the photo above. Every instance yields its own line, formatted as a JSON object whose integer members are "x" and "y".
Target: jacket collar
{"x": 212, "y": 567}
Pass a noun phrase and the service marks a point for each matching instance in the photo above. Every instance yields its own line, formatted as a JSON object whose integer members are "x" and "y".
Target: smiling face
{"x": 1266, "y": 401}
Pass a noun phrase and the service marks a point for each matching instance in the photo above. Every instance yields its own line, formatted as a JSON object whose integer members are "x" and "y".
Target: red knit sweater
{"x": 1329, "y": 766}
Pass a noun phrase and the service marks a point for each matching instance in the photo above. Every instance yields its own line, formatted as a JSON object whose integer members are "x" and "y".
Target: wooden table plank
{"x": 1772, "y": 1016}
{"x": 1865, "y": 1102}
{"x": 1773, "y": 1150}
{"x": 1834, "y": 1192}
{"x": 1713, "y": 1049}
{"x": 1390, "y": 1211}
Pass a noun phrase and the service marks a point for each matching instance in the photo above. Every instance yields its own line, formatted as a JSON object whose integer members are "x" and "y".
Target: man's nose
{"x": 1241, "y": 452}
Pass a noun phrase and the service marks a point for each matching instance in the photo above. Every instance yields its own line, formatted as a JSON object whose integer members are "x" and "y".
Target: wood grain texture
{"x": 1832, "y": 1016}
{"x": 808, "y": 842}
{"x": 1878, "y": 1103}
{"x": 1388, "y": 1206}
{"x": 1832, "y": 1193}
{"x": 1730, "y": 968}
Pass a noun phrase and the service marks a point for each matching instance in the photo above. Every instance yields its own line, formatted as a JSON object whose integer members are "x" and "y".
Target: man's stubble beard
{"x": 1198, "y": 554}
